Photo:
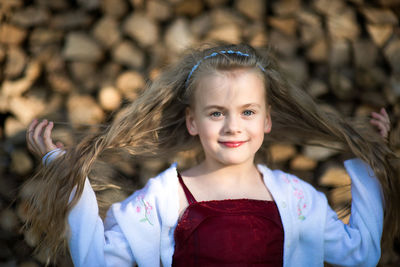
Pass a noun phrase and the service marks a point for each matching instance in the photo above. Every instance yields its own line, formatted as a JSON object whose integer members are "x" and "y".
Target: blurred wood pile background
{"x": 77, "y": 62}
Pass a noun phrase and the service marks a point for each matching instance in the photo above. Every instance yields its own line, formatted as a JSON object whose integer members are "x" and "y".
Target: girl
{"x": 230, "y": 101}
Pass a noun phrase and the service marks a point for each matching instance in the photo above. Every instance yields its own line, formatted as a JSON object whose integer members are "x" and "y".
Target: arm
{"x": 91, "y": 242}
{"x": 358, "y": 243}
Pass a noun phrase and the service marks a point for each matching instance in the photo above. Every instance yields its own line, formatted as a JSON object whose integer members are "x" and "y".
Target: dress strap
{"x": 190, "y": 198}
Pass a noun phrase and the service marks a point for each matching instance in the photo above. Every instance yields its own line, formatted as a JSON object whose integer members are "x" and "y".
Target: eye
{"x": 248, "y": 112}
{"x": 216, "y": 114}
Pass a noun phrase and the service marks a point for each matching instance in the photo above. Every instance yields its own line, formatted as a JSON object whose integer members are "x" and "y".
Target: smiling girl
{"x": 225, "y": 210}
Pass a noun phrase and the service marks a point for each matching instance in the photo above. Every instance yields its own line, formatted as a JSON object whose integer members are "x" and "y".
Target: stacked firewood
{"x": 79, "y": 62}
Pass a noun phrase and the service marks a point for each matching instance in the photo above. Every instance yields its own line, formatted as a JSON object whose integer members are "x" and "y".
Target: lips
{"x": 233, "y": 144}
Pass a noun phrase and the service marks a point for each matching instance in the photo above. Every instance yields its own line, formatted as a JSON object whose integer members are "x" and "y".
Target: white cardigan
{"x": 141, "y": 228}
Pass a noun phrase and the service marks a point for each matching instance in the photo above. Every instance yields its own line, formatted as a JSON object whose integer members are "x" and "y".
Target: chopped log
{"x": 284, "y": 25}
{"x": 44, "y": 36}
{"x": 109, "y": 73}
{"x": 302, "y": 163}
{"x": 110, "y": 98}
{"x": 200, "y": 25}
{"x": 341, "y": 83}
{"x": 329, "y": 8}
{"x": 130, "y": 83}
{"x": 13, "y": 128}
{"x": 11, "y": 34}
{"x": 254, "y": 9}
{"x": 380, "y": 33}
{"x": 142, "y": 29}
{"x": 16, "y": 60}
{"x": 283, "y": 44}
{"x": 18, "y": 87}
{"x": 310, "y": 26}
{"x": 21, "y": 162}
{"x": 85, "y": 74}
{"x": 286, "y": 7}
{"x": 224, "y": 16}
{"x": 26, "y": 109}
{"x": 81, "y": 47}
{"x": 392, "y": 54}
{"x": 114, "y": 8}
{"x": 189, "y": 8}
{"x": 318, "y": 153}
{"x": 83, "y": 110}
{"x": 318, "y": 51}
{"x": 126, "y": 53}
{"x": 380, "y": 16}
{"x": 106, "y": 31}
{"x": 31, "y": 16}
{"x": 339, "y": 53}
{"x": 259, "y": 39}
{"x": 60, "y": 82}
{"x": 70, "y": 20}
{"x": 361, "y": 48}
{"x": 334, "y": 176}
{"x": 229, "y": 33}
{"x": 178, "y": 36}
{"x": 281, "y": 152}
{"x": 158, "y": 10}
{"x": 343, "y": 25}
{"x": 317, "y": 88}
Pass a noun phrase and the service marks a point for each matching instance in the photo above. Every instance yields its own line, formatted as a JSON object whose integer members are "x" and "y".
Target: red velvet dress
{"x": 231, "y": 232}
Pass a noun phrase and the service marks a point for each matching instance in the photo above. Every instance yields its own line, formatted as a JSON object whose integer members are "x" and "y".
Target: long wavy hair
{"x": 153, "y": 126}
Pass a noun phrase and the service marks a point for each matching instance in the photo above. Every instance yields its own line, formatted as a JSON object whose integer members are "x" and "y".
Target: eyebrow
{"x": 221, "y": 107}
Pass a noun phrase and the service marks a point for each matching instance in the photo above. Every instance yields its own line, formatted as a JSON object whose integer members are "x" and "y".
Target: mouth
{"x": 232, "y": 144}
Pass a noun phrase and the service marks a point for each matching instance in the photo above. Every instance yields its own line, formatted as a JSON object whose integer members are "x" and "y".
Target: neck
{"x": 228, "y": 174}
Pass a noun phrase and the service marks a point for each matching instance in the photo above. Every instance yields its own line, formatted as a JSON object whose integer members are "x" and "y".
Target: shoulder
{"x": 157, "y": 198}
{"x": 288, "y": 189}
{"x": 284, "y": 180}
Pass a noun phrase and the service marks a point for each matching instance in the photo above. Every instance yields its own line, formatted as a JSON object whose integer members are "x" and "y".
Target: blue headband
{"x": 213, "y": 55}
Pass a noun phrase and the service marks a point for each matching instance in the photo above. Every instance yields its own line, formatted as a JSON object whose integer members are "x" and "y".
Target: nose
{"x": 232, "y": 125}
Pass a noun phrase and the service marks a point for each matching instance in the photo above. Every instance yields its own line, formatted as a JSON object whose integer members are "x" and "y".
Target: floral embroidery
{"x": 299, "y": 195}
{"x": 147, "y": 208}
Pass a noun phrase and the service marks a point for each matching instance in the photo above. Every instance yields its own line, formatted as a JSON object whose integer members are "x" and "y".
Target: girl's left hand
{"x": 382, "y": 122}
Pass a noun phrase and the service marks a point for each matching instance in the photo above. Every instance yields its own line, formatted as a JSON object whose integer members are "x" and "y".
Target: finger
{"x": 60, "y": 145}
{"x": 383, "y": 130}
{"x": 31, "y": 143}
{"x": 48, "y": 142}
{"x": 379, "y": 124}
{"x": 381, "y": 118}
{"x": 384, "y": 113}
{"x": 378, "y": 116}
{"x": 30, "y": 130}
{"x": 38, "y": 139}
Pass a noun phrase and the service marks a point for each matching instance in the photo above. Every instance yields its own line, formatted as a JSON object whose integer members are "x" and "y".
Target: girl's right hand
{"x": 38, "y": 138}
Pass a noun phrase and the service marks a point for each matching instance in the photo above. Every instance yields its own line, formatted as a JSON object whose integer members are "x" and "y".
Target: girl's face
{"x": 230, "y": 116}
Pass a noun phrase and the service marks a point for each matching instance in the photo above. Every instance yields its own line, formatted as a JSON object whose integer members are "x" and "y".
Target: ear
{"x": 190, "y": 122}
{"x": 268, "y": 121}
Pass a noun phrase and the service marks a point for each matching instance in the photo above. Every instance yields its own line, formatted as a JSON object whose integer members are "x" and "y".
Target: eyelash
{"x": 214, "y": 114}
{"x": 252, "y": 112}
